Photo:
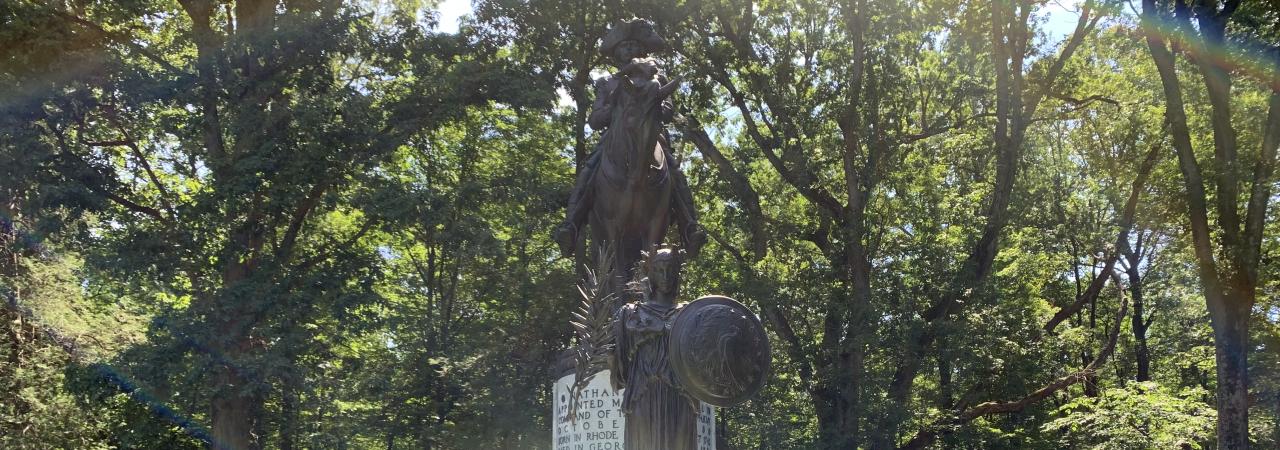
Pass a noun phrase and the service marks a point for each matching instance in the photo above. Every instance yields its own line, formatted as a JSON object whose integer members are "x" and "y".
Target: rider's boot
{"x": 686, "y": 216}
{"x": 566, "y": 235}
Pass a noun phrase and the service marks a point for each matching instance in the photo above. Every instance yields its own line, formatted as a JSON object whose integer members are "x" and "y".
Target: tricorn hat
{"x": 638, "y": 30}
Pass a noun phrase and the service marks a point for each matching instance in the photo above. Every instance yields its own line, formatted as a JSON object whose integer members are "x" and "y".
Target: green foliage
{"x": 44, "y": 342}
{"x": 1136, "y": 416}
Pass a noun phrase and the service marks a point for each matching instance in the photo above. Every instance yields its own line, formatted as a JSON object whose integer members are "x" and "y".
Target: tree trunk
{"x": 1229, "y": 288}
{"x": 946, "y": 390}
{"x": 11, "y": 319}
{"x": 839, "y": 373}
{"x": 1140, "y": 322}
{"x": 9, "y": 243}
{"x": 1230, "y": 318}
{"x": 13, "y": 326}
{"x": 852, "y": 358}
{"x": 722, "y": 434}
{"x": 233, "y": 413}
{"x": 1090, "y": 380}
{"x": 1275, "y": 426}
{"x": 234, "y": 410}
{"x": 834, "y": 430}
{"x": 289, "y": 415}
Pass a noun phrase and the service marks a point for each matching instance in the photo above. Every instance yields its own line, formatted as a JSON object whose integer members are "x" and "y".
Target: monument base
{"x": 599, "y": 424}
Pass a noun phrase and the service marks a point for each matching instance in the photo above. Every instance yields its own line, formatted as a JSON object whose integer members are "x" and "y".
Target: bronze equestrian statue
{"x": 670, "y": 356}
{"x": 629, "y": 190}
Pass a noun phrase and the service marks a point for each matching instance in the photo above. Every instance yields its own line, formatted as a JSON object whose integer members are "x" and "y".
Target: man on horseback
{"x": 629, "y": 45}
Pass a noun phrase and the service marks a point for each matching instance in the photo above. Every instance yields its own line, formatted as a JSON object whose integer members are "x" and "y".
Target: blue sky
{"x": 451, "y": 11}
{"x": 1062, "y": 15}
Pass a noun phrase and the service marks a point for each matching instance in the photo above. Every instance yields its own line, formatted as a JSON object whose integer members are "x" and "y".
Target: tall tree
{"x": 800, "y": 82}
{"x": 232, "y": 207}
{"x": 1228, "y": 250}
{"x": 823, "y": 102}
{"x": 560, "y": 38}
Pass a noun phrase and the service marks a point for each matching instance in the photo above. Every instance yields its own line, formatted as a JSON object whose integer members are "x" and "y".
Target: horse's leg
{"x": 658, "y": 231}
{"x": 655, "y": 209}
{"x": 608, "y": 229}
{"x": 629, "y": 247}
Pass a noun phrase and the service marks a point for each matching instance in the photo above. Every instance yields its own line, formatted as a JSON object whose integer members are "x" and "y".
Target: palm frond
{"x": 593, "y": 326}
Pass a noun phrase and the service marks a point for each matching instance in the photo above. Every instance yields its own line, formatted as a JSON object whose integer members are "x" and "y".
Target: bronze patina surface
{"x": 629, "y": 191}
{"x": 719, "y": 351}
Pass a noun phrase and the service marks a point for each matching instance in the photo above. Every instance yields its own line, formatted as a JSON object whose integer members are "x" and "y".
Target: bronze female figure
{"x": 660, "y": 416}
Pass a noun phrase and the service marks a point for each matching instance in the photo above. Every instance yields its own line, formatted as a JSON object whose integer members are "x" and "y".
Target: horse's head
{"x": 639, "y": 91}
{"x": 637, "y": 123}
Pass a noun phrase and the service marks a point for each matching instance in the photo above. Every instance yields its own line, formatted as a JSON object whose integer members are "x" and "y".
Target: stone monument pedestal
{"x": 599, "y": 424}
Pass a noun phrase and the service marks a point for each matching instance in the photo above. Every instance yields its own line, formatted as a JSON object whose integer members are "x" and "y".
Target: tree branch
{"x": 750, "y": 199}
{"x": 94, "y": 184}
{"x": 799, "y": 178}
{"x": 124, "y": 40}
{"x": 1175, "y": 114}
{"x": 321, "y": 256}
{"x": 1256, "y": 212}
{"x": 132, "y": 144}
{"x": 1084, "y": 25}
{"x": 299, "y": 217}
{"x": 795, "y": 347}
{"x": 1079, "y": 102}
{"x": 1089, "y": 295}
{"x": 931, "y": 132}
{"x": 1127, "y": 217}
{"x": 926, "y": 436}
{"x": 115, "y": 143}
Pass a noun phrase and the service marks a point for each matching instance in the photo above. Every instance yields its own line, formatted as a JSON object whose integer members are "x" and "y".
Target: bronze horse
{"x": 633, "y": 186}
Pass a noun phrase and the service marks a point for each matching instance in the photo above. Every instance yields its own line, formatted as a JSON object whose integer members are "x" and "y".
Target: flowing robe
{"x": 659, "y": 415}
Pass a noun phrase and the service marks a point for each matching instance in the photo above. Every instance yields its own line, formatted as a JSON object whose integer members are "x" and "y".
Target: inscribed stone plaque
{"x": 599, "y": 425}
